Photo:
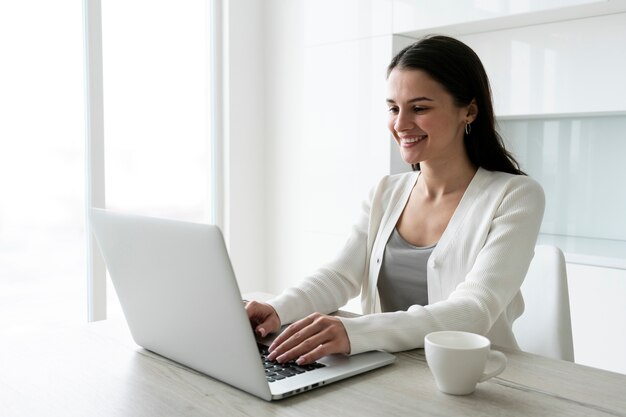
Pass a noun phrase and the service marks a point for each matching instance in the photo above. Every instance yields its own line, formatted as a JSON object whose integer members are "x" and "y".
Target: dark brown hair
{"x": 458, "y": 69}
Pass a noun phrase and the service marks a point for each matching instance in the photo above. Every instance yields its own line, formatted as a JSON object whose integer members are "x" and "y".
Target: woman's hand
{"x": 309, "y": 339}
{"x": 263, "y": 318}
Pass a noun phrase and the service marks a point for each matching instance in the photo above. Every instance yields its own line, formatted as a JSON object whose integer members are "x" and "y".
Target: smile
{"x": 413, "y": 139}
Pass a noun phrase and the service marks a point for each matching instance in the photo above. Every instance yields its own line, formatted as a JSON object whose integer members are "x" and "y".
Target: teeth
{"x": 413, "y": 140}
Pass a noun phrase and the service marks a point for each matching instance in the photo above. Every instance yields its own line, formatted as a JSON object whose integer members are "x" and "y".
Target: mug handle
{"x": 500, "y": 359}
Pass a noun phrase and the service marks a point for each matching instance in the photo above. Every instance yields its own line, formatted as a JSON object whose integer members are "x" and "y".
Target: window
{"x": 42, "y": 209}
{"x": 157, "y": 152}
{"x": 156, "y": 109}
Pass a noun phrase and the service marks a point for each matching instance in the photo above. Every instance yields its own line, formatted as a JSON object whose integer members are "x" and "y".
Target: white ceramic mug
{"x": 458, "y": 359}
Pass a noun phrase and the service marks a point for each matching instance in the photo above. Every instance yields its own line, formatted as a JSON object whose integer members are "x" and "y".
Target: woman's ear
{"x": 472, "y": 111}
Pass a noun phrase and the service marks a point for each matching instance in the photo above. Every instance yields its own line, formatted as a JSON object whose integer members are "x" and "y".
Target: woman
{"x": 445, "y": 247}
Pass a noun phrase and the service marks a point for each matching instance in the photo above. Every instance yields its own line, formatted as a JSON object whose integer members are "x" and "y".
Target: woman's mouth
{"x": 411, "y": 140}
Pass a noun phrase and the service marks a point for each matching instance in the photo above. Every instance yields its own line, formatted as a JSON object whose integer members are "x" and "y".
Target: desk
{"x": 96, "y": 370}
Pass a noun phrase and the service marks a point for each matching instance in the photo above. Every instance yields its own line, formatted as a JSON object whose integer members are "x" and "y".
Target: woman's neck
{"x": 442, "y": 178}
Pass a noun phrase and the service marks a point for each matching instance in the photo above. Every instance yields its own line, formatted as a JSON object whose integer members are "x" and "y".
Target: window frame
{"x": 95, "y": 195}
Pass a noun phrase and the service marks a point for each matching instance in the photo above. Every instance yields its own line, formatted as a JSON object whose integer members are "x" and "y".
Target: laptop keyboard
{"x": 275, "y": 371}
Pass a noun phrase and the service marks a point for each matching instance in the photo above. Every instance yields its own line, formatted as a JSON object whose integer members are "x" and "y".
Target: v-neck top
{"x": 402, "y": 280}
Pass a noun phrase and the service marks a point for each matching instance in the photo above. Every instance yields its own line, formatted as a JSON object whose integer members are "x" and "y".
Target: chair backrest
{"x": 545, "y": 328}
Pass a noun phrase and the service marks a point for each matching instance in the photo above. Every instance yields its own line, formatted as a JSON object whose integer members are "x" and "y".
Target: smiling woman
{"x": 460, "y": 82}
{"x": 430, "y": 250}
{"x": 424, "y": 118}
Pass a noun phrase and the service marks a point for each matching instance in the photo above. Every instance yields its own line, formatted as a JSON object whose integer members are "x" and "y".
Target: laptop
{"x": 181, "y": 300}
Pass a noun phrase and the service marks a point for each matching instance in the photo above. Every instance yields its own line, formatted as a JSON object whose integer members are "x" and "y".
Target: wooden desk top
{"x": 96, "y": 370}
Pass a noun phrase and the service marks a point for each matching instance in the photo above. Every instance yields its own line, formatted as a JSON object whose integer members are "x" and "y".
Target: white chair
{"x": 545, "y": 328}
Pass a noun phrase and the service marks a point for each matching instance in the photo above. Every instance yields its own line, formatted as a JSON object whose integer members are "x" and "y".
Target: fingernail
{"x": 262, "y": 332}
{"x": 300, "y": 360}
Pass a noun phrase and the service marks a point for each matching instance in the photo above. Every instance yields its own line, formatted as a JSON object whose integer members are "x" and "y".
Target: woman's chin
{"x": 411, "y": 161}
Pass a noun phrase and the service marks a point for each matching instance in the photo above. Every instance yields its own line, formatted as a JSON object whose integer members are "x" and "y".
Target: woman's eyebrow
{"x": 413, "y": 100}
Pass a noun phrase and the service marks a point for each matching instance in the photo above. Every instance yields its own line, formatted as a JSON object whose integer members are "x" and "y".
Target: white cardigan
{"x": 474, "y": 274}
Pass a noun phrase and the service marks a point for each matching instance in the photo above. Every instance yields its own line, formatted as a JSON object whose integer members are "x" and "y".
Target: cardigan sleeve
{"x": 333, "y": 285}
{"x": 489, "y": 282}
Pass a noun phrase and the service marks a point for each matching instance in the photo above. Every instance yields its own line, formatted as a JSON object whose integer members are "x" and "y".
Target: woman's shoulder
{"x": 497, "y": 185}
{"x": 390, "y": 187}
{"x": 395, "y": 182}
{"x": 399, "y": 180}
{"x": 505, "y": 179}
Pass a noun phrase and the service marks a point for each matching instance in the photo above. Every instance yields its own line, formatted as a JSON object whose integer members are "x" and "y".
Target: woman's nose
{"x": 403, "y": 122}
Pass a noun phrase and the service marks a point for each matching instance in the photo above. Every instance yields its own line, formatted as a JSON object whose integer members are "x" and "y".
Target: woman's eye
{"x": 419, "y": 109}
{"x": 392, "y": 110}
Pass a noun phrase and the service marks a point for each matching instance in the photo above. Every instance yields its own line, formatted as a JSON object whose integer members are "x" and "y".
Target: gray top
{"x": 402, "y": 279}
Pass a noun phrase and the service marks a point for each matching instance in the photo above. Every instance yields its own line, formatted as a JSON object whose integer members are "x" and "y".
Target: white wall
{"x": 562, "y": 67}
{"x": 325, "y": 126}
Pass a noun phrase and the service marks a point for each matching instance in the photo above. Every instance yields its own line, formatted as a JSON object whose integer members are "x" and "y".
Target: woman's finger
{"x": 331, "y": 339}
{"x": 305, "y": 347}
{"x": 289, "y": 333}
{"x": 263, "y": 318}
{"x": 319, "y": 352}
{"x": 312, "y": 338}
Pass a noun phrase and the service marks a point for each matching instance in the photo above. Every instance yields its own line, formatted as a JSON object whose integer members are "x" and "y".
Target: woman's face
{"x": 423, "y": 118}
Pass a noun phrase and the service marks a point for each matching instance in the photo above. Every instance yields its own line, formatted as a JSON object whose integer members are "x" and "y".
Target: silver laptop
{"x": 180, "y": 298}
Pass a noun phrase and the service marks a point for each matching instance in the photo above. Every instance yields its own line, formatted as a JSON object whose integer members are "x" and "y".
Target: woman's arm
{"x": 333, "y": 285}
